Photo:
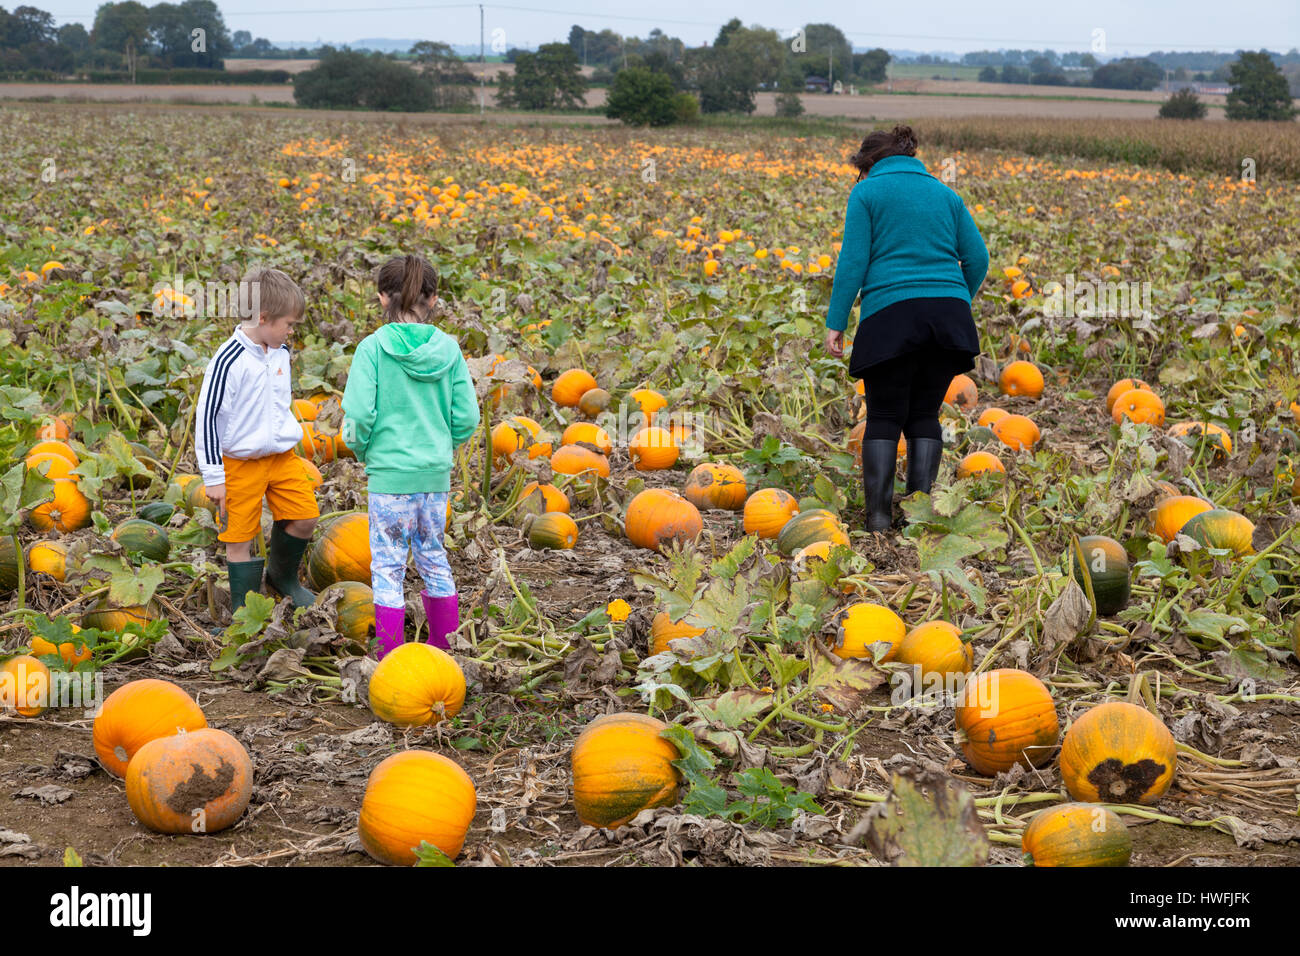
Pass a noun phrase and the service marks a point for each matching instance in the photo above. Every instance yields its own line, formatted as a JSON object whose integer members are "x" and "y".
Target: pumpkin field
{"x": 678, "y": 644}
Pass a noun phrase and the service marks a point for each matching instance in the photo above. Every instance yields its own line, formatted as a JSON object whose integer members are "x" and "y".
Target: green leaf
{"x": 735, "y": 707}
{"x": 127, "y": 586}
{"x": 251, "y": 619}
{"x": 729, "y": 565}
{"x": 426, "y": 854}
{"x": 71, "y": 857}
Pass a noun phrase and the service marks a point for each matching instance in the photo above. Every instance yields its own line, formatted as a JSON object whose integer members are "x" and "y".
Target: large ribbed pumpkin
{"x": 657, "y": 515}
{"x": 1139, "y": 405}
{"x": 936, "y": 648}
{"x": 866, "y": 624}
{"x": 1105, "y": 562}
{"x": 415, "y": 797}
{"x": 1118, "y": 753}
{"x": 1006, "y": 717}
{"x": 68, "y": 509}
{"x": 716, "y": 485}
{"x": 195, "y": 782}
{"x": 767, "y": 511}
{"x": 571, "y": 386}
{"x": 24, "y": 685}
{"x": 341, "y": 552}
{"x": 664, "y": 629}
{"x": 1221, "y": 528}
{"x": 1017, "y": 432}
{"x": 137, "y": 713}
{"x": 809, "y": 527}
{"x": 1076, "y": 834}
{"x": 621, "y": 766}
{"x": 577, "y": 460}
{"x": 417, "y": 684}
{"x": 1170, "y": 514}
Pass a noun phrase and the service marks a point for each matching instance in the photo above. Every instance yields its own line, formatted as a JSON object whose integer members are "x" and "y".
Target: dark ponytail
{"x": 878, "y": 144}
{"x": 408, "y": 281}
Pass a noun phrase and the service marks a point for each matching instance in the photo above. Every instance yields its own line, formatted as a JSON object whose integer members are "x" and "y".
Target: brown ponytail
{"x": 408, "y": 281}
{"x": 900, "y": 141}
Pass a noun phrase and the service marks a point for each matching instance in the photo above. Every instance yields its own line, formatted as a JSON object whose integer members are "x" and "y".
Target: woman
{"x": 914, "y": 253}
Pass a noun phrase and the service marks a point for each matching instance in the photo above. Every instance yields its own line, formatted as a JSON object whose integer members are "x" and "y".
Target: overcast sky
{"x": 957, "y": 25}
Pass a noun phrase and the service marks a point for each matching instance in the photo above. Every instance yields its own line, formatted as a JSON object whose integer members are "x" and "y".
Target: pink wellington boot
{"x": 444, "y": 617}
{"x": 390, "y": 629}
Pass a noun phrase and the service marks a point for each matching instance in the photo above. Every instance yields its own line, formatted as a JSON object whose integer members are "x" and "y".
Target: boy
{"x": 244, "y": 434}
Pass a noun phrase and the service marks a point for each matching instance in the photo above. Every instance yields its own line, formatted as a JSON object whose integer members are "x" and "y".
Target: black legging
{"x": 904, "y": 395}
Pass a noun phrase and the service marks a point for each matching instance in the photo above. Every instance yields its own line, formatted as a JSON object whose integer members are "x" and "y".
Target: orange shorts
{"x": 280, "y": 479}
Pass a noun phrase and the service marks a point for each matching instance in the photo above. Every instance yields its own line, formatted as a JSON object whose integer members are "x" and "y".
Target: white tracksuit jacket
{"x": 245, "y": 406}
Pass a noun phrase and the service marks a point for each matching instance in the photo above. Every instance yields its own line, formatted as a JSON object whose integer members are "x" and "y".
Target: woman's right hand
{"x": 835, "y": 342}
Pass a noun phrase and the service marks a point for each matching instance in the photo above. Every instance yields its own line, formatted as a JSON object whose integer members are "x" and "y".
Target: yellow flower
{"x": 618, "y": 610}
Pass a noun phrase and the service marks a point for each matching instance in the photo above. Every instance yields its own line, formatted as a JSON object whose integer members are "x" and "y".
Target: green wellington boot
{"x": 283, "y": 558}
{"x": 245, "y": 576}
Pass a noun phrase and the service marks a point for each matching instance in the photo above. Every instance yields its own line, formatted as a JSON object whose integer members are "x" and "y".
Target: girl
{"x": 408, "y": 403}
{"x": 915, "y": 254}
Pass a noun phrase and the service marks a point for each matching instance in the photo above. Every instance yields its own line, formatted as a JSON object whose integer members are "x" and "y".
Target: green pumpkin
{"x": 808, "y": 527}
{"x": 554, "y": 529}
{"x": 1106, "y": 563}
{"x": 156, "y": 512}
{"x": 979, "y": 435}
{"x": 144, "y": 538}
{"x": 1221, "y": 528}
{"x": 8, "y": 565}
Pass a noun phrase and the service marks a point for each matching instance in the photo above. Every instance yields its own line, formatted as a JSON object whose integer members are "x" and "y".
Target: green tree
{"x": 988, "y": 75}
{"x": 640, "y": 97}
{"x": 345, "y": 79}
{"x": 1259, "y": 90}
{"x": 452, "y": 83}
{"x": 872, "y": 65}
{"x": 823, "y": 43}
{"x": 1182, "y": 105}
{"x": 546, "y": 80}
{"x": 729, "y": 73}
{"x": 1128, "y": 74}
{"x": 788, "y": 88}
{"x": 122, "y": 28}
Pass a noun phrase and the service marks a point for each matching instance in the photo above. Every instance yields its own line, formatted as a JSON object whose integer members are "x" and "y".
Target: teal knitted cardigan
{"x": 906, "y": 236}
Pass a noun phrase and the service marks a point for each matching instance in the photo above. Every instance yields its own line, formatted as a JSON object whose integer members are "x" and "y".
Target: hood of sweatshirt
{"x": 424, "y": 352}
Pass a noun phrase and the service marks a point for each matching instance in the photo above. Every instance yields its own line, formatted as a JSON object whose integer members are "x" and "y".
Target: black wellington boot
{"x": 283, "y": 558}
{"x": 879, "y": 464}
{"x": 923, "y": 456}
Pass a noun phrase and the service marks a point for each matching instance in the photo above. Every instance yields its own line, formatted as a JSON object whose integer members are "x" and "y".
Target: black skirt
{"x": 940, "y": 325}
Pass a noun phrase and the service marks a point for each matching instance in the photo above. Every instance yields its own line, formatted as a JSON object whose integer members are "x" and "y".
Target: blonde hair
{"x": 273, "y": 294}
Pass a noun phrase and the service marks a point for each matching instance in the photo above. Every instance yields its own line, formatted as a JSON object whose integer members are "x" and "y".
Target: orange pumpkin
{"x": 577, "y": 460}
{"x": 649, "y": 401}
{"x": 69, "y": 509}
{"x": 1214, "y": 435}
{"x": 50, "y": 465}
{"x": 767, "y": 511}
{"x": 962, "y": 393}
{"x": 990, "y": 416}
{"x": 1006, "y": 717}
{"x": 415, "y": 797}
{"x": 24, "y": 686}
{"x": 1118, "y": 753}
{"x": 137, "y": 713}
{"x": 664, "y": 629}
{"x": 652, "y": 449}
{"x": 1140, "y": 406}
{"x": 978, "y": 462}
{"x": 54, "y": 428}
{"x": 341, "y": 553}
{"x": 864, "y": 625}
{"x": 1076, "y": 834}
{"x": 48, "y": 557}
{"x": 571, "y": 386}
{"x": 194, "y": 782}
{"x": 935, "y": 647}
{"x": 1021, "y": 378}
{"x": 657, "y": 515}
{"x": 854, "y": 445}
{"x": 621, "y": 766}
{"x": 1120, "y": 387}
{"x": 591, "y": 434}
{"x": 716, "y": 485}
{"x": 417, "y": 684}
{"x": 72, "y": 652}
{"x": 507, "y": 439}
{"x": 305, "y": 410}
{"x": 1016, "y": 432}
{"x": 1170, "y": 514}
{"x": 553, "y": 499}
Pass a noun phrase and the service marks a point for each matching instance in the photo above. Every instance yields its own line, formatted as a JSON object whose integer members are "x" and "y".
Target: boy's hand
{"x": 217, "y": 495}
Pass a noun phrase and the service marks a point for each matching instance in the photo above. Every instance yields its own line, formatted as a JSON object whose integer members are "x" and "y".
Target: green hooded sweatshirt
{"x": 408, "y": 403}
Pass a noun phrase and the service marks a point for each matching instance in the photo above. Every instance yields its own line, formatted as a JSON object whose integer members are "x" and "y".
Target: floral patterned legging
{"x": 402, "y": 523}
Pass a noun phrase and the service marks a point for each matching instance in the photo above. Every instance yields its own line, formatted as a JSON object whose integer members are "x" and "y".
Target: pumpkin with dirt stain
{"x": 1118, "y": 753}
{"x": 137, "y": 713}
{"x": 24, "y": 685}
{"x": 415, "y": 797}
{"x": 657, "y": 516}
{"x": 194, "y": 782}
{"x": 621, "y": 766}
{"x": 716, "y": 485}
{"x": 341, "y": 552}
{"x": 417, "y": 684}
{"x": 1221, "y": 528}
{"x": 1006, "y": 717}
{"x": 1105, "y": 562}
{"x": 1076, "y": 834}
{"x": 962, "y": 393}
{"x": 767, "y": 511}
